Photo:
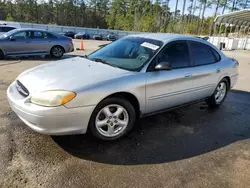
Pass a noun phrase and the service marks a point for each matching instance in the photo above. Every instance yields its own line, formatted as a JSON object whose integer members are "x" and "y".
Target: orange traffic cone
{"x": 81, "y": 45}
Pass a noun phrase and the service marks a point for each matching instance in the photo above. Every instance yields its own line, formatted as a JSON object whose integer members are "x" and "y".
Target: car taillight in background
{"x": 236, "y": 62}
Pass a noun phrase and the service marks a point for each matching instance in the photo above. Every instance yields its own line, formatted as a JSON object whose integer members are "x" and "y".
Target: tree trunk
{"x": 198, "y": 25}
{"x": 203, "y": 13}
{"x": 190, "y": 12}
{"x": 215, "y": 14}
{"x": 224, "y": 7}
{"x": 176, "y": 6}
{"x": 183, "y": 13}
{"x": 217, "y": 7}
{"x": 194, "y": 9}
{"x": 200, "y": 10}
{"x": 234, "y": 3}
{"x": 166, "y": 18}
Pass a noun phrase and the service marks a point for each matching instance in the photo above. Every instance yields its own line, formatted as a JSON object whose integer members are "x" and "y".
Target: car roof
{"x": 31, "y": 29}
{"x": 164, "y": 37}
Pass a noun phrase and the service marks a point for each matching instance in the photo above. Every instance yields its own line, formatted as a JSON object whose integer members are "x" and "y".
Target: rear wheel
{"x": 57, "y": 52}
{"x": 112, "y": 119}
{"x": 219, "y": 94}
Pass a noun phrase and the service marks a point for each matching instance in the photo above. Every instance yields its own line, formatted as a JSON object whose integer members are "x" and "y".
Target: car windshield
{"x": 8, "y": 33}
{"x": 130, "y": 53}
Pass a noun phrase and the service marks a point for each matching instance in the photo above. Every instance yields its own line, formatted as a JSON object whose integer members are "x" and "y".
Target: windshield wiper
{"x": 99, "y": 60}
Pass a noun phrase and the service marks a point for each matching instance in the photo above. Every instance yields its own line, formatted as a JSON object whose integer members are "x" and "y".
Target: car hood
{"x": 69, "y": 74}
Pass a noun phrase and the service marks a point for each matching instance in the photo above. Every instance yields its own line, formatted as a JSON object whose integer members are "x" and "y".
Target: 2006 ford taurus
{"x": 108, "y": 90}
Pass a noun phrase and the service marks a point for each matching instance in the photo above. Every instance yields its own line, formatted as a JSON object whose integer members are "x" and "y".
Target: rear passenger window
{"x": 176, "y": 54}
{"x": 203, "y": 54}
{"x": 49, "y": 35}
{"x": 38, "y": 35}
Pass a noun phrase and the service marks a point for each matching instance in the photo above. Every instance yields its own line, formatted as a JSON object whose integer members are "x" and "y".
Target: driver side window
{"x": 176, "y": 54}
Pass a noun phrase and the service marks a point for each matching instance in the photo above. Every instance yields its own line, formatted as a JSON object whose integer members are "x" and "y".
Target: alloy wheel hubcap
{"x": 220, "y": 92}
{"x": 112, "y": 120}
{"x": 57, "y": 52}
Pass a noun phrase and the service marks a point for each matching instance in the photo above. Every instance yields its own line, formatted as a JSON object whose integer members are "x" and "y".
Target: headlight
{"x": 52, "y": 98}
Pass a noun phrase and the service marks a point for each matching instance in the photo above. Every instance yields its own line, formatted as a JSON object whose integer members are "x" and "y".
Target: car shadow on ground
{"x": 171, "y": 136}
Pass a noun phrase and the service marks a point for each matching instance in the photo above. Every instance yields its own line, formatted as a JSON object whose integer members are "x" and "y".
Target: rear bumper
{"x": 71, "y": 48}
{"x": 49, "y": 120}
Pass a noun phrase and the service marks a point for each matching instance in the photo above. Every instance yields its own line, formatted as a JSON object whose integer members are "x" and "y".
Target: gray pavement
{"x": 187, "y": 147}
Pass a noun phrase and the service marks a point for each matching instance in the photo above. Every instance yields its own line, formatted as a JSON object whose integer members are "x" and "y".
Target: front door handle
{"x": 189, "y": 75}
{"x": 218, "y": 70}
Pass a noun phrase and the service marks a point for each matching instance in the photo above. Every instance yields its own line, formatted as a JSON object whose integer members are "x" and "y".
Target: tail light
{"x": 71, "y": 41}
{"x": 236, "y": 62}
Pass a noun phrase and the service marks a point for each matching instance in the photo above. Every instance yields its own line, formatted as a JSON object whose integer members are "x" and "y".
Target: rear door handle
{"x": 218, "y": 70}
{"x": 188, "y": 75}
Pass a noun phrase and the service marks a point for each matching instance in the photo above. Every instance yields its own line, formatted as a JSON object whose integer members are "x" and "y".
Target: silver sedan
{"x": 106, "y": 92}
{"x": 30, "y": 42}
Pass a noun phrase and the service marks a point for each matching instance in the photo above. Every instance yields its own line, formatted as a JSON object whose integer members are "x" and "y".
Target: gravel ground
{"x": 187, "y": 147}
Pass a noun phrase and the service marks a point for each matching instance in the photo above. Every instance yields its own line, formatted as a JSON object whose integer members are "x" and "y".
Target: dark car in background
{"x": 70, "y": 34}
{"x": 111, "y": 37}
{"x": 5, "y": 29}
{"x": 82, "y": 35}
{"x": 97, "y": 36}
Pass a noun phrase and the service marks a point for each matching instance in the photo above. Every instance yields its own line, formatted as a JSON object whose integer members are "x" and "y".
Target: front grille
{"x": 21, "y": 89}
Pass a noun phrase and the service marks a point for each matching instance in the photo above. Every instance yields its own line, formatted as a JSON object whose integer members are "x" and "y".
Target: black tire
{"x": 115, "y": 100}
{"x": 1, "y": 55}
{"x": 211, "y": 101}
{"x": 60, "y": 51}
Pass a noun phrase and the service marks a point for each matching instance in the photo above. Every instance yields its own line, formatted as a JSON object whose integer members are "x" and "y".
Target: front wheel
{"x": 112, "y": 119}
{"x": 219, "y": 94}
{"x": 57, "y": 52}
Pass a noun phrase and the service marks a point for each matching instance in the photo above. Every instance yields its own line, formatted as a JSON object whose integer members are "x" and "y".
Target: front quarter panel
{"x": 91, "y": 95}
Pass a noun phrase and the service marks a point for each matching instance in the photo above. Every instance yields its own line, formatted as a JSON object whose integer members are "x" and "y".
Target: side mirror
{"x": 163, "y": 66}
{"x": 12, "y": 38}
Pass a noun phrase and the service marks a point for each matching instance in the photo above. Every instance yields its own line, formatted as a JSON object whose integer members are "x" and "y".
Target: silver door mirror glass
{"x": 163, "y": 66}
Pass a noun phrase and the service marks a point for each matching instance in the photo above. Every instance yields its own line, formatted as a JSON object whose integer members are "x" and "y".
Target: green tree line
{"x": 130, "y": 15}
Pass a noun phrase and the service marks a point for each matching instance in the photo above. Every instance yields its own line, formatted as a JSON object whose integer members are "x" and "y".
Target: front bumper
{"x": 49, "y": 120}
